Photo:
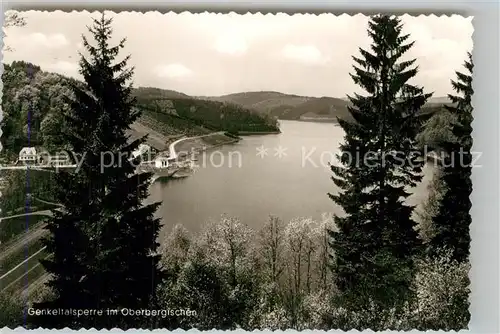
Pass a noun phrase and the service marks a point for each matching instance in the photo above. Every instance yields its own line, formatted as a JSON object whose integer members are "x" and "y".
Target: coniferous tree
{"x": 103, "y": 244}
{"x": 375, "y": 242}
{"x": 451, "y": 223}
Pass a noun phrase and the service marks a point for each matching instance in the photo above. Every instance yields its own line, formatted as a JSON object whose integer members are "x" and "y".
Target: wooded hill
{"x": 196, "y": 116}
{"x": 33, "y": 104}
{"x": 295, "y": 107}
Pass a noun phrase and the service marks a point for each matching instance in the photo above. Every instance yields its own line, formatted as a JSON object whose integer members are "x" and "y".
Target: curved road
{"x": 171, "y": 149}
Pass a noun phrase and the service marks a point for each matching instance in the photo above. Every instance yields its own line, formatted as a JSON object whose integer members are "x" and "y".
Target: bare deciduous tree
{"x": 324, "y": 253}
{"x": 176, "y": 247}
{"x": 271, "y": 246}
{"x": 13, "y": 19}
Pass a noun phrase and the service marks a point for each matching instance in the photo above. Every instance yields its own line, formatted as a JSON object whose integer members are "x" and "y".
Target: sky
{"x": 214, "y": 54}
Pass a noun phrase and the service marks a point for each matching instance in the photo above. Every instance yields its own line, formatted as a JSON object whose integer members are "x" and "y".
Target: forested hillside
{"x": 34, "y": 102}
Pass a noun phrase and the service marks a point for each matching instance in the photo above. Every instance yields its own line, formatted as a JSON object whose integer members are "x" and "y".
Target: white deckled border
{"x": 485, "y": 255}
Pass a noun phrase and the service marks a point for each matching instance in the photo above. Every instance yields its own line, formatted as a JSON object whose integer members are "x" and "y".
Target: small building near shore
{"x": 28, "y": 155}
{"x": 162, "y": 162}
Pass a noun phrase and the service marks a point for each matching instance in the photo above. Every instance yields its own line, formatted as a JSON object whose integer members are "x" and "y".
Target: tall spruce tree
{"x": 451, "y": 223}
{"x": 103, "y": 244}
{"x": 376, "y": 240}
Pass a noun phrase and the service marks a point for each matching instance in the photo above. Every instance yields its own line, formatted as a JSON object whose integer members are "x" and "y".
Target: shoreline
{"x": 318, "y": 120}
{"x": 198, "y": 143}
{"x": 257, "y": 133}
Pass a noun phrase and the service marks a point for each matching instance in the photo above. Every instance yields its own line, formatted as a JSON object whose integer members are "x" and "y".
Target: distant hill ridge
{"x": 281, "y": 105}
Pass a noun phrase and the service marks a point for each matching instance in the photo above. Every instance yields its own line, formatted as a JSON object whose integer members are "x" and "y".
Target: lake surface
{"x": 235, "y": 180}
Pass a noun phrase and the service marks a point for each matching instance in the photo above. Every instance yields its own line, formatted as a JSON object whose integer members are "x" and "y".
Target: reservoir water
{"x": 286, "y": 175}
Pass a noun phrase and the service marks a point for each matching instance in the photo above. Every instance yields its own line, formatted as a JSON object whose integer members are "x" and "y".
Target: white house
{"x": 162, "y": 162}
{"x": 28, "y": 155}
